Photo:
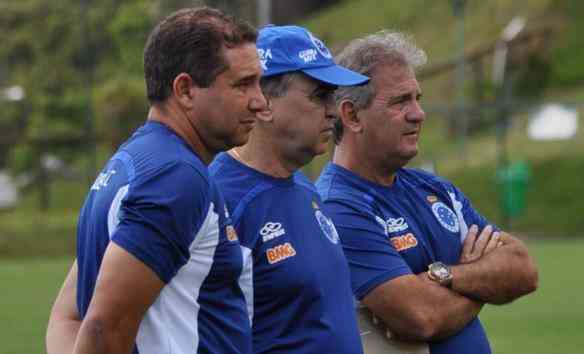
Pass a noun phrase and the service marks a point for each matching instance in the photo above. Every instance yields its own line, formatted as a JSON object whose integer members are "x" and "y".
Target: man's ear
{"x": 184, "y": 90}
{"x": 349, "y": 117}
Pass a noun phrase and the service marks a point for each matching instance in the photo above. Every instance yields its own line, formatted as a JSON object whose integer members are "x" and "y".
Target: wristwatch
{"x": 440, "y": 273}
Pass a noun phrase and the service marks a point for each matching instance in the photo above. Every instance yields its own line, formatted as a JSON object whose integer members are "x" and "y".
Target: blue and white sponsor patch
{"x": 445, "y": 216}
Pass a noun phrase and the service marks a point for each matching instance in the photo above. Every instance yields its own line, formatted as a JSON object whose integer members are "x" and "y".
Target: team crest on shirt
{"x": 445, "y": 216}
{"x": 326, "y": 224}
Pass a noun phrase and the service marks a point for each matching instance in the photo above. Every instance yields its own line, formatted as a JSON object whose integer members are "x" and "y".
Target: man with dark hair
{"x": 295, "y": 277}
{"x": 422, "y": 259}
{"x": 158, "y": 261}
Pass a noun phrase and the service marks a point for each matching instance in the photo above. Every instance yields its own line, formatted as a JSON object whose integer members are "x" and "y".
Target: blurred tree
{"x": 53, "y": 48}
{"x": 122, "y": 108}
{"x": 80, "y": 63}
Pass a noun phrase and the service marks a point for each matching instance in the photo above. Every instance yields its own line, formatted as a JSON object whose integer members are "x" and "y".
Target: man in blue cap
{"x": 295, "y": 277}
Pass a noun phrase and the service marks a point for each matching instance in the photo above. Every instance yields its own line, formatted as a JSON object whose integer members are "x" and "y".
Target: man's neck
{"x": 364, "y": 168}
{"x": 178, "y": 122}
{"x": 261, "y": 154}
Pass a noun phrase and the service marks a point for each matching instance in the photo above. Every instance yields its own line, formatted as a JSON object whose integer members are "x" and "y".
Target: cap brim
{"x": 336, "y": 75}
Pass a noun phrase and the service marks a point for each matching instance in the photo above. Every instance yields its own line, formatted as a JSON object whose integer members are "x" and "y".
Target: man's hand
{"x": 474, "y": 247}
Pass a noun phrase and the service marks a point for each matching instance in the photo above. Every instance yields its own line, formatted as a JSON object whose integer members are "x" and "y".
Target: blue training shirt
{"x": 295, "y": 277}
{"x": 392, "y": 231}
{"x": 154, "y": 199}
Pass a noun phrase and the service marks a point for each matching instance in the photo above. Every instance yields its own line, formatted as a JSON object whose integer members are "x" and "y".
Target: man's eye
{"x": 322, "y": 95}
{"x": 398, "y": 101}
{"x": 243, "y": 84}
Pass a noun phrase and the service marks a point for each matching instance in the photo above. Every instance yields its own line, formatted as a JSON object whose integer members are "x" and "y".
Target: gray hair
{"x": 363, "y": 55}
{"x": 277, "y": 85}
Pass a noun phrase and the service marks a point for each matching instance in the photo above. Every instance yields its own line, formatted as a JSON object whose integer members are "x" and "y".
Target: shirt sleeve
{"x": 372, "y": 259}
{"x": 161, "y": 215}
{"x": 246, "y": 229}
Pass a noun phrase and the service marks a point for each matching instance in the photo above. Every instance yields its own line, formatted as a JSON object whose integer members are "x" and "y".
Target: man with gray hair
{"x": 423, "y": 261}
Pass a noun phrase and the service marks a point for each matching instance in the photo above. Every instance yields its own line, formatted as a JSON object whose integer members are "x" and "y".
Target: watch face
{"x": 442, "y": 272}
{"x": 439, "y": 270}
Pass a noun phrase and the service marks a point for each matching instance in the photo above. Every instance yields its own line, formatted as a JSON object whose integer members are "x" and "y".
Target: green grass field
{"x": 544, "y": 323}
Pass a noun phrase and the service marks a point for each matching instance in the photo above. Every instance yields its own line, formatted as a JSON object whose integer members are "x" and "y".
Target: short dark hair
{"x": 191, "y": 41}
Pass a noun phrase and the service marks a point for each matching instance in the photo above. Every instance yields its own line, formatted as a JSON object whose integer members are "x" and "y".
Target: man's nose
{"x": 416, "y": 113}
{"x": 258, "y": 102}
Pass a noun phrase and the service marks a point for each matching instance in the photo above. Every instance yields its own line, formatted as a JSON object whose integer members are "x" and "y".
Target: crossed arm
{"x": 495, "y": 268}
{"x": 497, "y": 277}
{"x": 124, "y": 291}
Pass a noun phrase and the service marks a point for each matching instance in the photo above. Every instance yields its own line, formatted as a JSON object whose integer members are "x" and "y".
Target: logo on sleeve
{"x": 271, "y": 230}
{"x": 446, "y": 217}
{"x": 280, "y": 252}
{"x": 102, "y": 180}
{"x": 404, "y": 242}
{"x": 326, "y": 224}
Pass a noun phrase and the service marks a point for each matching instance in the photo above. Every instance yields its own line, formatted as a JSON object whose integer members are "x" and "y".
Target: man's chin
{"x": 408, "y": 156}
{"x": 321, "y": 148}
{"x": 239, "y": 140}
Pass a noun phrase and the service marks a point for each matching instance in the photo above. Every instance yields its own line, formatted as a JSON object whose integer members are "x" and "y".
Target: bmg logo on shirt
{"x": 280, "y": 253}
{"x": 404, "y": 242}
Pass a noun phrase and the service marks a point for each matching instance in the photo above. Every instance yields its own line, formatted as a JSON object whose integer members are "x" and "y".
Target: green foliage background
{"x": 80, "y": 63}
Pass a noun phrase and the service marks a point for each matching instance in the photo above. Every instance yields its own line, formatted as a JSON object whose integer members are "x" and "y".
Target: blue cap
{"x": 285, "y": 49}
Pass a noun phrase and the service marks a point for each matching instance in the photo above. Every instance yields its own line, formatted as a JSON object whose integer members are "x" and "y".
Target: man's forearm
{"x": 61, "y": 336}
{"x": 416, "y": 308}
{"x": 499, "y": 277}
{"x": 64, "y": 321}
{"x": 98, "y": 337}
{"x": 450, "y": 311}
